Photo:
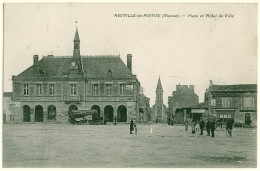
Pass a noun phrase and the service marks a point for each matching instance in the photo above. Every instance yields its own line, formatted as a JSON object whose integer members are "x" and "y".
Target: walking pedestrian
{"x": 135, "y": 127}
{"x": 186, "y": 125}
{"x": 229, "y": 127}
{"x": 208, "y": 127}
{"x": 131, "y": 126}
{"x": 202, "y": 124}
{"x": 193, "y": 127}
{"x": 73, "y": 120}
{"x": 212, "y": 127}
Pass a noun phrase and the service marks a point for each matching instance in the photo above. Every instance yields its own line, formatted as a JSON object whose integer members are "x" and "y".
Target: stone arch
{"x": 121, "y": 114}
{"x": 38, "y": 113}
{"x": 73, "y": 107}
{"x": 51, "y": 112}
{"x": 26, "y": 113}
{"x": 109, "y": 113}
{"x": 97, "y": 108}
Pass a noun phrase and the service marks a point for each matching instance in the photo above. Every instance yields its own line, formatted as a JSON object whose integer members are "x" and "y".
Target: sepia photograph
{"x": 129, "y": 85}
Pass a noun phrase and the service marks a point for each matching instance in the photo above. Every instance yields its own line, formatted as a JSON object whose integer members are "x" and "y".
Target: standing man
{"x": 131, "y": 126}
{"x": 229, "y": 127}
{"x": 202, "y": 124}
{"x": 212, "y": 127}
{"x": 135, "y": 127}
{"x": 115, "y": 120}
{"x": 208, "y": 127}
{"x": 186, "y": 125}
{"x": 193, "y": 124}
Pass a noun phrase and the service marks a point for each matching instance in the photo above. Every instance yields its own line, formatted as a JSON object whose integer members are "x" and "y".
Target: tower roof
{"x": 76, "y": 35}
{"x": 159, "y": 85}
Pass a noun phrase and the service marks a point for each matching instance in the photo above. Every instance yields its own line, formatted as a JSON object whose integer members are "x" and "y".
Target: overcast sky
{"x": 185, "y": 50}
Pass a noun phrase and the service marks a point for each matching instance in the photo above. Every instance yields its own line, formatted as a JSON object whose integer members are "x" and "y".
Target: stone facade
{"x": 183, "y": 96}
{"x": 48, "y": 90}
{"x": 8, "y": 111}
{"x": 144, "y": 108}
{"x": 238, "y": 102}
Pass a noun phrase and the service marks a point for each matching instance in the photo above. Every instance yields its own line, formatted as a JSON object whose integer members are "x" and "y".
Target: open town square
{"x": 106, "y": 146}
{"x": 93, "y": 86}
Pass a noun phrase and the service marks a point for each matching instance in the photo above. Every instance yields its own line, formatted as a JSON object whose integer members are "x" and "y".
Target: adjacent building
{"x": 8, "y": 113}
{"x": 55, "y": 85}
{"x": 192, "y": 113}
{"x": 144, "y": 108}
{"x": 183, "y": 96}
{"x": 238, "y": 102}
{"x": 159, "y": 112}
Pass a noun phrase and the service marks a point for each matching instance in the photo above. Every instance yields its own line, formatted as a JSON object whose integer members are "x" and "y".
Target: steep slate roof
{"x": 159, "y": 85}
{"x": 238, "y": 87}
{"x": 96, "y": 66}
{"x": 203, "y": 105}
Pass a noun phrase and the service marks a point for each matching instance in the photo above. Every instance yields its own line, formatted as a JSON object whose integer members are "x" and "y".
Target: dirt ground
{"x": 108, "y": 146}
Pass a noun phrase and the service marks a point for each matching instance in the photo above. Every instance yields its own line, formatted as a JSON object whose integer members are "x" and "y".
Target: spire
{"x": 159, "y": 85}
{"x": 76, "y": 38}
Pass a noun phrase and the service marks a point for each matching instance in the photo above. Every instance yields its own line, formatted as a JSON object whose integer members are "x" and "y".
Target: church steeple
{"x": 76, "y": 52}
{"x": 159, "y": 91}
{"x": 159, "y": 85}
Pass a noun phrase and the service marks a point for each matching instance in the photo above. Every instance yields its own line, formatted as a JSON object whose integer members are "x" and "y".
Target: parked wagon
{"x": 84, "y": 116}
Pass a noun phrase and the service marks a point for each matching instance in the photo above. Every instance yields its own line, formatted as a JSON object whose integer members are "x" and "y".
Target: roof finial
{"x": 76, "y": 34}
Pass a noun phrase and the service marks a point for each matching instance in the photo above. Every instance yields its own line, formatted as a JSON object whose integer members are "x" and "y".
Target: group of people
{"x": 133, "y": 126}
{"x": 210, "y": 127}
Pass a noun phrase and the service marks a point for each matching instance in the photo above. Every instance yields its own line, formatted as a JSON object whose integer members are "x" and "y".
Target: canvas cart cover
{"x": 82, "y": 113}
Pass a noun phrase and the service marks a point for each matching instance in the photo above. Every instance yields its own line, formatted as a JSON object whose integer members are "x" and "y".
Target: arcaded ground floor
{"x": 92, "y": 146}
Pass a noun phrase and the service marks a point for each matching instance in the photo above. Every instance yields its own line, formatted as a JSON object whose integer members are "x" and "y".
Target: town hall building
{"x": 54, "y": 85}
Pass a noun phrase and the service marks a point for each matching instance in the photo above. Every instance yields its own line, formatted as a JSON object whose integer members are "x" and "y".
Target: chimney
{"x": 35, "y": 59}
{"x": 210, "y": 83}
{"x": 129, "y": 61}
{"x": 178, "y": 87}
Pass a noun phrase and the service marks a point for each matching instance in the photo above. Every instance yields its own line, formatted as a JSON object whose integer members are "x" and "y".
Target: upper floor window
{"x": 213, "y": 102}
{"x": 122, "y": 89}
{"x": 129, "y": 89}
{"x": 108, "y": 89}
{"x": 225, "y": 102}
{"x": 26, "y": 89}
{"x": 73, "y": 89}
{"x": 249, "y": 102}
{"x": 38, "y": 89}
{"x": 51, "y": 87}
{"x": 95, "y": 89}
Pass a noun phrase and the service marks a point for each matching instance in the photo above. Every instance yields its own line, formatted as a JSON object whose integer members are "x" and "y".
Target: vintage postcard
{"x": 137, "y": 85}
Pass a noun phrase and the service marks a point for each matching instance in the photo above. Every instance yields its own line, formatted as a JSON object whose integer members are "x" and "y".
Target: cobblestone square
{"x": 109, "y": 146}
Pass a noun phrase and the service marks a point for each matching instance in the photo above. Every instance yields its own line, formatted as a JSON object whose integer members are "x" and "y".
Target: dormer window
{"x": 41, "y": 72}
{"x": 109, "y": 72}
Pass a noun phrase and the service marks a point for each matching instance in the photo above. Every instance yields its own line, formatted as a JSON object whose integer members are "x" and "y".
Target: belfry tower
{"x": 76, "y": 52}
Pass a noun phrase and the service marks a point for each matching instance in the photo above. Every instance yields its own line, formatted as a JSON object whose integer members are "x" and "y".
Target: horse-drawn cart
{"x": 84, "y": 117}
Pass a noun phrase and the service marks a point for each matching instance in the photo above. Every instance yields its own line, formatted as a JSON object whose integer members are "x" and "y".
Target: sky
{"x": 188, "y": 50}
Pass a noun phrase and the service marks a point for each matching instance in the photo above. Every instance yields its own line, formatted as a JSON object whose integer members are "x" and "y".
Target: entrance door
{"x": 51, "y": 112}
{"x": 109, "y": 112}
{"x": 26, "y": 113}
{"x": 121, "y": 114}
{"x": 39, "y": 113}
{"x": 247, "y": 118}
